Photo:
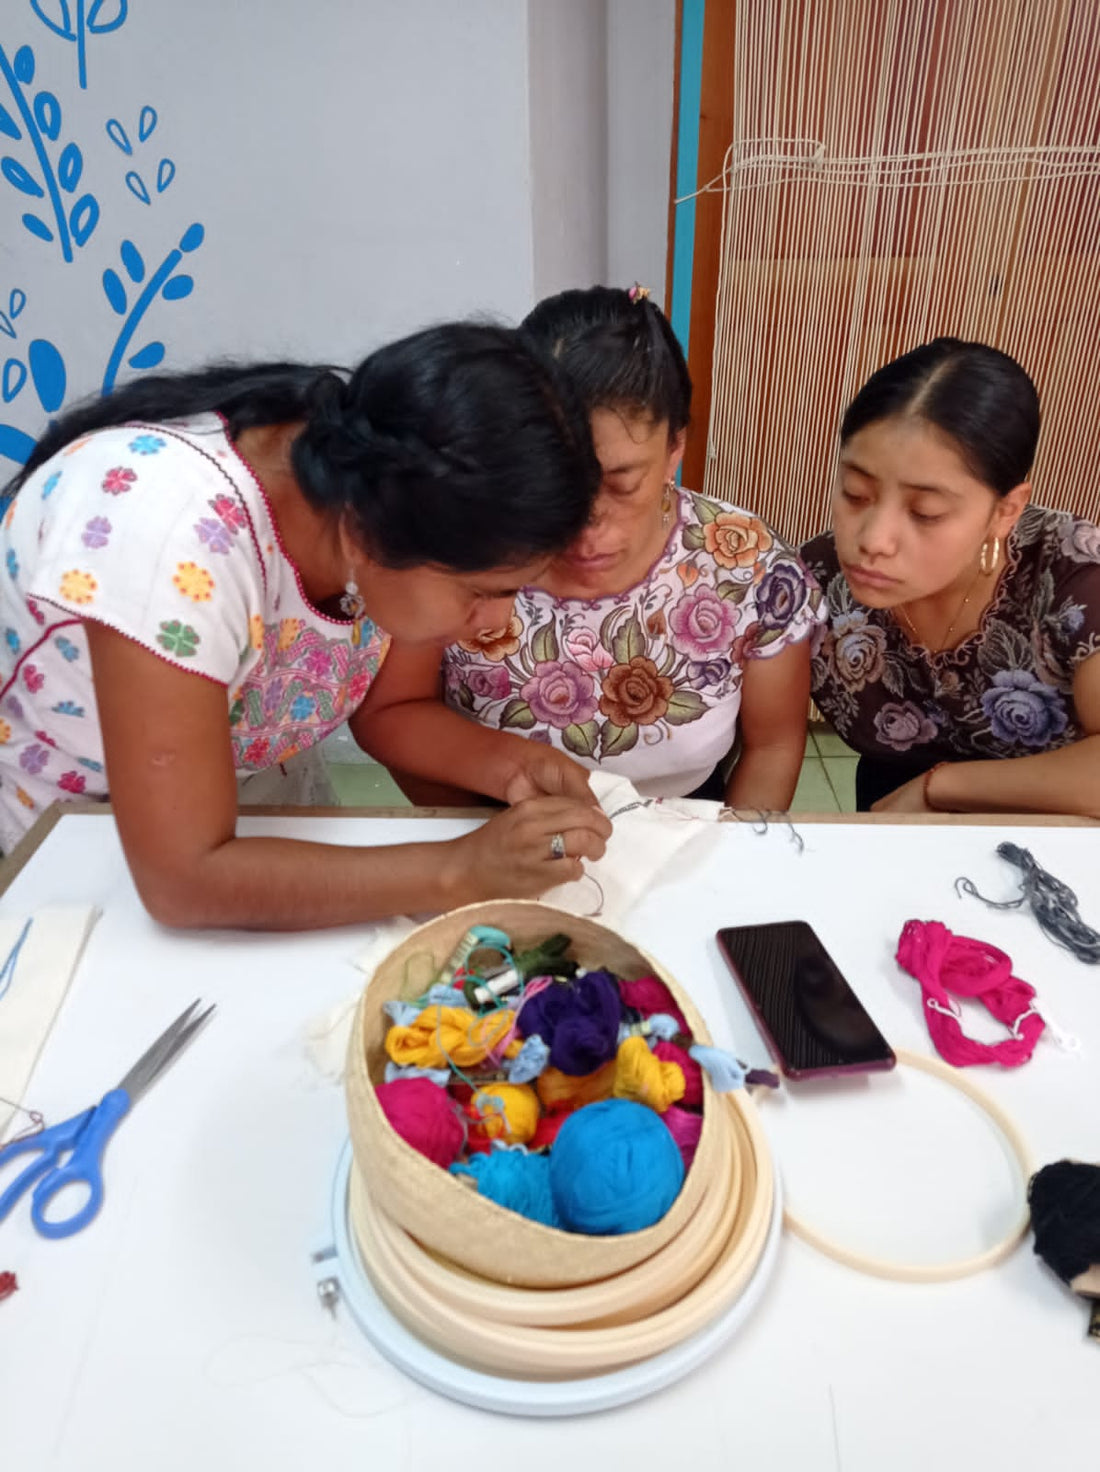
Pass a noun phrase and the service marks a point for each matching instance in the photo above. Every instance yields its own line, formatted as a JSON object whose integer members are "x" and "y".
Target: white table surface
{"x": 181, "y": 1328}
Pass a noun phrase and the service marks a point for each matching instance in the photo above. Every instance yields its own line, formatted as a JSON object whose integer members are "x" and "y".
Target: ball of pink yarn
{"x": 693, "y": 1074}
{"x": 685, "y": 1129}
{"x": 648, "y": 995}
{"x": 425, "y": 1117}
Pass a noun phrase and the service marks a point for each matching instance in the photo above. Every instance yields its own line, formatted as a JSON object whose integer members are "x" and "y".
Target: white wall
{"x": 641, "y": 59}
{"x": 360, "y": 167}
{"x": 567, "y": 48}
{"x": 601, "y": 91}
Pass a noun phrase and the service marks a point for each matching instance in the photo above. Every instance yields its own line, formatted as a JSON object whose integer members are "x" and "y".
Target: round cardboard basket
{"x": 446, "y": 1216}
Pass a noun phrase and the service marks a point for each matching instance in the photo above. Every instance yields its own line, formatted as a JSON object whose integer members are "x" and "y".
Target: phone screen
{"x": 813, "y": 1020}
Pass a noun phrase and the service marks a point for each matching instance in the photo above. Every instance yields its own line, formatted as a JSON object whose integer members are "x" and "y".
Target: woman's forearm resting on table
{"x": 173, "y": 789}
{"x": 1062, "y": 781}
{"x": 1066, "y": 780}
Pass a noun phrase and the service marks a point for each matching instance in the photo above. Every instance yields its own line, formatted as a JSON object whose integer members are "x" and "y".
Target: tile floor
{"x": 827, "y": 783}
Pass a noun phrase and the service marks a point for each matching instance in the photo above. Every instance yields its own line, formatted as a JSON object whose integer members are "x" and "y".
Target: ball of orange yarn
{"x": 693, "y": 1075}
{"x": 507, "y": 1112}
{"x": 425, "y": 1117}
{"x": 565, "y": 1091}
{"x": 642, "y": 1076}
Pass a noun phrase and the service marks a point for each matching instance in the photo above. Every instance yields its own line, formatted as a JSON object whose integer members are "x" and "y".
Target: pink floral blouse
{"x": 163, "y": 533}
{"x": 645, "y": 682}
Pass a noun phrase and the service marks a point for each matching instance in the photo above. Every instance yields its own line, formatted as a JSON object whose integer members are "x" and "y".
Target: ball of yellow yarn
{"x": 559, "y": 1090}
{"x": 508, "y": 1112}
{"x": 641, "y": 1076}
{"x": 441, "y": 1036}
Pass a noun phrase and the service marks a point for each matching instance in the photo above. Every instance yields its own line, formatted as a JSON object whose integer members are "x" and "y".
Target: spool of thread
{"x": 425, "y": 1117}
{"x": 561, "y": 1092}
{"x": 648, "y": 995}
{"x": 614, "y": 1168}
{"x": 514, "y": 1179}
{"x": 507, "y": 1112}
{"x": 685, "y": 1128}
{"x": 578, "y": 1019}
{"x": 443, "y": 1037}
{"x": 642, "y": 1076}
{"x": 692, "y": 1097}
{"x": 477, "y": 936}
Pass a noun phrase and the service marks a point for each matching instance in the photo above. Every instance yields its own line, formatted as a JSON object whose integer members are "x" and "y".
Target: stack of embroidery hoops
{"x": 497, "y": 1308}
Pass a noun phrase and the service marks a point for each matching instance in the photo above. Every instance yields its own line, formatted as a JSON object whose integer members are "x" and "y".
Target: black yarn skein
{"x": 1065, "y": 1216}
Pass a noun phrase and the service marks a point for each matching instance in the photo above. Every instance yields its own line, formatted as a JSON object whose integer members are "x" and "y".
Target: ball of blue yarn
{"x": 614, "y": 1168}
{"x": 514, "y": 1179}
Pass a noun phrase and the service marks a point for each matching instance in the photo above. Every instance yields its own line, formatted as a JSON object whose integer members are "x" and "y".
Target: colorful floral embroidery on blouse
{"x": 163, "y": 534}
{"x": 647, "y": 681}
{"x": 1005, "y": 691}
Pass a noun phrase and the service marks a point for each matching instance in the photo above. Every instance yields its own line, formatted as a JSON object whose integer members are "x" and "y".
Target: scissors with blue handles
{"x": 83, "y": 1139}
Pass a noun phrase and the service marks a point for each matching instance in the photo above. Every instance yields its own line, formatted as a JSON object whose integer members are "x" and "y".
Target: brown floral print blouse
{"x": 1006, "y": 690}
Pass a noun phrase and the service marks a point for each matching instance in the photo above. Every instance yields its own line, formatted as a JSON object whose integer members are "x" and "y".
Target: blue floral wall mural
{"x": 77, "y": 22}
{"x": 63, "y": 212}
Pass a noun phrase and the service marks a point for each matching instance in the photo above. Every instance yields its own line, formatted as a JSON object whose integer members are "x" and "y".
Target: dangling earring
{"x": 351, "y": 604}
{"x": 667, "y": 502}
{"x": 987, "y": 564}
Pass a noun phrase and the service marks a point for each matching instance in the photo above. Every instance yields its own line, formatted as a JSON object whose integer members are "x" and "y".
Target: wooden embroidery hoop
{"x": 906, "y": 1272}
{"x": 605, "y": 1334}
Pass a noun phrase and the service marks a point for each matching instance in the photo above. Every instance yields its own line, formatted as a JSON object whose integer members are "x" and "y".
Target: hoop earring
{"x": 987, "y": 564}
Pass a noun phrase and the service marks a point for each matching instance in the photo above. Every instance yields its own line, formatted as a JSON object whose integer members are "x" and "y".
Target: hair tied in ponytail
{"x": 638, "y": 292}
{"x": 328, "y": 395}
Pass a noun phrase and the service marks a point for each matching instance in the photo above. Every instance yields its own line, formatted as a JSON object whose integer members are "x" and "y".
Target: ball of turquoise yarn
{"x": 614, "y": 1168}
{"x": 514, "y": 1179}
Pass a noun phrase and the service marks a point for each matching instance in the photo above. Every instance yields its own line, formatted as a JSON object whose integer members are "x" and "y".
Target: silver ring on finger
{"x": 557, "y": 846}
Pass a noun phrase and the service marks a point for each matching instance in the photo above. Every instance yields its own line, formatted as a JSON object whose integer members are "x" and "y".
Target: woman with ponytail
{"x": 201, "y": 578}
{"x": 668, "y": 643}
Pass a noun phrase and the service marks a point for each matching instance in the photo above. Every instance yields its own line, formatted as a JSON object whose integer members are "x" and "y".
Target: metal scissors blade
{"x": 157, "y": 1057}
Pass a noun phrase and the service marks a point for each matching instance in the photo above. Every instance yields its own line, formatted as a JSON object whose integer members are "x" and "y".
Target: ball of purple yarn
{"x": 578, "y": 1020}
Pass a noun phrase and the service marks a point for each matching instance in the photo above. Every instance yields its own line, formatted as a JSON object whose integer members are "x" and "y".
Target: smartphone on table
{"x": 812, "y": 1020}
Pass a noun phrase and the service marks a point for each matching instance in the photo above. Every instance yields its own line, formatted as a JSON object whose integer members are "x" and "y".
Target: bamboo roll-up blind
{"x": 902, "y": 169}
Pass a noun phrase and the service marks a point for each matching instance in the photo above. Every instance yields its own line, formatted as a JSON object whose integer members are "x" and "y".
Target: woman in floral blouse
{"x": 962, "y": 654}
{"x": 671, "y": 625}
{"x": 200, "y": 576}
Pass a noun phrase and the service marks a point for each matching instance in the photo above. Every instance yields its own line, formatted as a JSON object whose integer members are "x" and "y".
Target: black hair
{"x": 459, "y": 446}
{"x": 980, "y": 398}
{"x": 618, "y": 350}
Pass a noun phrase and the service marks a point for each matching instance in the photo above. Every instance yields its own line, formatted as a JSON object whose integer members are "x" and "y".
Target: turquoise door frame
{"x": 693, "y": 15}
